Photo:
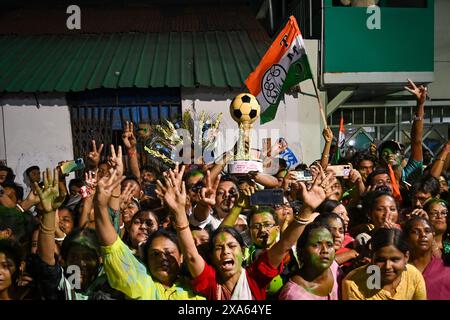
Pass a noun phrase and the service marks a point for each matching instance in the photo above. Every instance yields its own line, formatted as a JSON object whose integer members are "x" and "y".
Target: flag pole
{"x": 322, "y": 113}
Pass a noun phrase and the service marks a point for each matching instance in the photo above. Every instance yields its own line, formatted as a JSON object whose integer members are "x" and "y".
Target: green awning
{"x": 63, "y": 63}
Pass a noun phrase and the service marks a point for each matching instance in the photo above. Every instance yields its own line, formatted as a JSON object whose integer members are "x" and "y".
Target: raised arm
{"x": 88, "y": 201}
{"x": 438, "y": 164}
{"x": 242, "y": 202}
{"x": 116, "y": 163}
{"x": 420, "y": 93}
{"x": 48, "y": 196}
{"x": 312, "y": 198}
{"x": 264, "y": 179}
{"x": 173, "y": 191}
{"x": 328, "y": 136}
{"x": 107, "y": 235}
{"x": 130, "y": 142}
{"x": 207, "y": 198}
{"x": 94, "y": 156}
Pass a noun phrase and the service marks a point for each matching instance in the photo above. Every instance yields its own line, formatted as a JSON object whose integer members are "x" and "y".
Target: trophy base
{"x": 244, "y": 166}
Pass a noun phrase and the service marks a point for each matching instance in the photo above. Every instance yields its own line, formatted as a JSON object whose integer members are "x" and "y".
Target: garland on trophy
{"x": 202, "y": 129}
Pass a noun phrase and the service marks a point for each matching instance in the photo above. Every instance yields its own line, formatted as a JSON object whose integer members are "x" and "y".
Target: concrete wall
{"x": 35, "y": 136}
{"x": 297, "y": 119}
{"x": 440, "y": 88}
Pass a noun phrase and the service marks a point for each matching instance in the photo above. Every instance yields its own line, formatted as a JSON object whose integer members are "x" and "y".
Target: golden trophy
{"x": 245, "y": 111}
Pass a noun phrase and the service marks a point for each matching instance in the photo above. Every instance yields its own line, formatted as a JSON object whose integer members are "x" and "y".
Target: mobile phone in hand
{"x": 267, "y": 197}
{"x": 341, "y": 170}
{"x": 150, "y": 190}
{"x": 73, "y": 165}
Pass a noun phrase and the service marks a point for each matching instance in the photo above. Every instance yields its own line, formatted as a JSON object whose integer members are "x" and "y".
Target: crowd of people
{"x": 130, "y": 232}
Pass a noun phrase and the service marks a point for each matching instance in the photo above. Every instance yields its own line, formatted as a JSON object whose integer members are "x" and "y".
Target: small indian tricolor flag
{"x": 340, "y": 144}
{"x": 284, "y": 65}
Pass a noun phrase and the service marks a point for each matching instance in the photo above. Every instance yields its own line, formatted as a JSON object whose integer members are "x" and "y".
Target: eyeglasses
{"x": 284, "y": 205}
{"x": 231, "y": 193}
{"x": 433, "y": 214}
{"x": 195, "y": 187}
{"x": 147, "y": 222}
{"x": 260, "y": 226}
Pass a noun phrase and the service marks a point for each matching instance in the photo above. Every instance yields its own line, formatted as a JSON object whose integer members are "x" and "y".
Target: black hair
{"x": 228, "y": 177}
{"x": 374, "y": 173}
{"x": 76, "y": 182}
{"x": 12, "y": 250}
{"x": 262, "y": 209}
{"x": 427, "y": 184}
{"x": 73, "y": 214}
{"x": 29, "y": 169}
{"x": 325, "y": 217}
{"x": 85, "y": 237}
{"x": 384, "y": 237}
{"x": 301, "y": 167}
{"x": 230, "y": 230}
{"x": 149, "y": 169}
{"x": 327, "y": 206}
{"x": 370, "y": 199}
{"x": 407, "y": 226}
{"x": 363, "y": 156}
{"x": 10, "y": 176}
{"x": 18, "y": 190}
{"x": 159, "y": 233}
{"x": 303, "y": 240}
{"x": 11, "y": 218}
{"x": 135, "y": 216}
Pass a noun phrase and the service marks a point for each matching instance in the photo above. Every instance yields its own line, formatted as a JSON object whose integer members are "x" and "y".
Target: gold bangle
{"x": 182, "y": 228}
{"x": 114, "y": 196}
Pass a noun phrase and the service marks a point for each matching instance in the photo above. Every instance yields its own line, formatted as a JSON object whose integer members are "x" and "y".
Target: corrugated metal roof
{"x": 63, "y": 63}
{"x": 122, "y": 19}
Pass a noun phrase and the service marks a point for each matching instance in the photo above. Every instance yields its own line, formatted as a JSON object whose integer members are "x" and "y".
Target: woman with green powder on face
{"x": 317, "y": 277}
{"x": 225, "y": 279}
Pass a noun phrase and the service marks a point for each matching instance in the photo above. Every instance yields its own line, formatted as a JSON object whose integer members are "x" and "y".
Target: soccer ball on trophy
{"x": 244, "y": 108}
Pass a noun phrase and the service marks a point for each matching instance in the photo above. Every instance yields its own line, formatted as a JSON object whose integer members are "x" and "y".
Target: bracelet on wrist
{"x": 132, "y": 152}
{"x": 115, "y": 196}
{"x": 182, "y": 227}
{"x": 61, "y": 239}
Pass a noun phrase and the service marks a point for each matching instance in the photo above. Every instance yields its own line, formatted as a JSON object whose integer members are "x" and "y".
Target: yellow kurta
{"x": 126, "y": 274}
{"x": 411, "y": 286}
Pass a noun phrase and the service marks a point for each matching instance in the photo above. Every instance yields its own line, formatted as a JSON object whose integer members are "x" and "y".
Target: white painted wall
{"x": 35, "y": 136}
{"x": 440, "y": 88}
{"x": 297, "y": 119}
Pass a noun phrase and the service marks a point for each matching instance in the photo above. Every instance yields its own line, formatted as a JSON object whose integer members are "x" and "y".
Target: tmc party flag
{"x": 340, "y": 144}
{"x": 284, "y": 65}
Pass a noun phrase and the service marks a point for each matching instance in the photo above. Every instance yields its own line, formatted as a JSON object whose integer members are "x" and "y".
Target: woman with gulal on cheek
{"x": 390, "y": 277}
{"x": 226, "y": 279}
{"x": 318, "y": 270}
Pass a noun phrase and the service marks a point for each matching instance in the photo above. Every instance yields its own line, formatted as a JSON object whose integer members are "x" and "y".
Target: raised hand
{"x": 90, "y": 183}
{"x": 50, "y": 193}
{"x": 128, "y": 137}
{"x": 319, "y": 191}
{"x": 419, "y": 92}
{"x": 95, "y": 154}
{"x": 355, "y": 176}
{"x": 418, "y": 212}
{"x": 105, "y": 188}
{"x": 244, "y": 196}
{"x": 208, "y": 193}
{"x": 115, "y": 160}
{"x": 126, "y": 195}
{"x": 327, "y": 134}
{"x": 173, "y": 196}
